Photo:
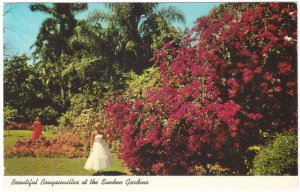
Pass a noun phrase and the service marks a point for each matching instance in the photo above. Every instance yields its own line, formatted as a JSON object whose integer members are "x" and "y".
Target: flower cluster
{"x": 64, "y": 145}
{"x": 231, "y": 78}
{"x": 18, "y": 126}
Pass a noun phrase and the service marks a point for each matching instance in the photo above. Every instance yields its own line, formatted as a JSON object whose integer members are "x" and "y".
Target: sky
{"x": 21, "y": 25}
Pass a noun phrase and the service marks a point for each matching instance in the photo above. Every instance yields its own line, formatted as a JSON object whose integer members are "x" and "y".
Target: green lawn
{"x": 55, "y": 167}
{"x": 14, "y": 135}
{"x": 49, "y": 166}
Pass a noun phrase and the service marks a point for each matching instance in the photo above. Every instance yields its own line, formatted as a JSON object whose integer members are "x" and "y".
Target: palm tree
{"x": 133, "y": 24}
{"x": 53, "y": 36}
{"x": 89, "y": 38}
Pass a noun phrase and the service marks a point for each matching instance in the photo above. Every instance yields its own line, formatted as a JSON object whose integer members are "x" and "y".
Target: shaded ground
{"x": 108, "y": 173}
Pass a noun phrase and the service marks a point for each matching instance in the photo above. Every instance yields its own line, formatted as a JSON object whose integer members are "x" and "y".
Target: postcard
{"x": 140, "y": 95}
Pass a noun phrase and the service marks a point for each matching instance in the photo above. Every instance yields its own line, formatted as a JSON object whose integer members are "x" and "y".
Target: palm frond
{"x": 98, "y": 15}
{"x": 171, "y": 14}
{"x": 79, "y": 7}
{"x": 42, "y": 7}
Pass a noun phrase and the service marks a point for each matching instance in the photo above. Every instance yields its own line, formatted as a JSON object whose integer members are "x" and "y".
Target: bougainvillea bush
{"x": 64, "y": 145}
{"x": 227, "y": 84}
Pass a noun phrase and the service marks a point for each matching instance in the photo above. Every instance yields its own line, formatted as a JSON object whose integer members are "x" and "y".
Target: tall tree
{"x": 52, "y": 39}
{"x": 18, "y": 79}
{"x": 132, "y": 24}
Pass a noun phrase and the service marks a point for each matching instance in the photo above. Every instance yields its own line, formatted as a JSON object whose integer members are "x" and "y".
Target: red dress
{"x": 37, "y": 130}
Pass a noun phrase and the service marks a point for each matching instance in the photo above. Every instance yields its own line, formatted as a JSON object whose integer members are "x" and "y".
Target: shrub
{"x": 52, "y": 128}
{"x": 233, "y": 77}
{"x": 138, "y": 84}
{"x": 279, "y": 157}
{"x": 79, "y": 103}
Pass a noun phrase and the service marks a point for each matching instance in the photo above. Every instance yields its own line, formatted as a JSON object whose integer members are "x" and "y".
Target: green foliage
{"x": 32, "y": 90}
{"x": 249, "y": 155}
{"x": 217, "y": 170}
{"x": 89, "y": 57}
{"x": 78, "y": 104}
{"x": 9, "y": 114}
{"x": 89, "y": 38}
{"x": 19, "y": 90}
{"x": 54, "y": 34}
{"x": 80, "y": 117}
{"x": 48, "y": 114}
{"x": 164, "y": 36}
{"x": 130, "y": 27}
{"x": 52, "y": 129}
{"x": 279, "y": 157}
{"x": 84, "y": 123}
{"x": 210, "y": 169}
{"x": 76, "y": 80}
{"x": 138, "y": 84}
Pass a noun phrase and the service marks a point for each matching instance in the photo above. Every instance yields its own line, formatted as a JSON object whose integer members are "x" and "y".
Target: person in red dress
{"x": 37, "y": 129}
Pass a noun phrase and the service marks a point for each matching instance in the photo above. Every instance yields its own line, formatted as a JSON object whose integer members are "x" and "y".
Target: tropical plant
{"x": 218, "y": 91}
{"x": 90, "y": 38}
{"x": 55, "y": 32}
{"x": 256, "y": 66}
{"x": 131, "y": 25}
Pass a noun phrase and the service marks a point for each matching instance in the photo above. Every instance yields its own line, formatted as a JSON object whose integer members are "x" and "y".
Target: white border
{"x": 156, "y": 183}
{"x": 163, "y": 183}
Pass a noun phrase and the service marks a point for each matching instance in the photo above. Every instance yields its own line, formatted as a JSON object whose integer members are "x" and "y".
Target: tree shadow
{"x": 10, "y": 135}
{"x": 108, "y": 173}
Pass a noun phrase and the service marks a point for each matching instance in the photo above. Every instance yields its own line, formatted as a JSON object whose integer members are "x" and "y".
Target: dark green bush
{"x": 279, "y": 157}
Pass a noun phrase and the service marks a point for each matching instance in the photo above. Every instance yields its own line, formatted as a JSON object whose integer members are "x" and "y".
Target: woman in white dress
{"x": 100, "y": 157}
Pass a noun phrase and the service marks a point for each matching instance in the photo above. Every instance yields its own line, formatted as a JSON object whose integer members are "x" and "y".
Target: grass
{"x": 20, "y": 166}
{"x": 14, "y": 135}
{"x": 55, "y": 167}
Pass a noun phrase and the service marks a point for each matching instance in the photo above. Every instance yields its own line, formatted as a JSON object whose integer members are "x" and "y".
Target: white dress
{"x": 100, "y": 157}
